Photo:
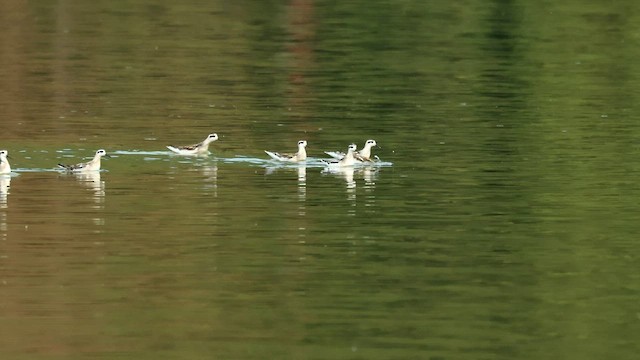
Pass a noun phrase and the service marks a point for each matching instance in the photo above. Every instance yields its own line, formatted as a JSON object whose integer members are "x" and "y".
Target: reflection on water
{"x": 302, "y": 198}
{"x": 301, "y": 170}
{"x": 92, "y": 181}
{"x": 350, "y": 174}
{"x": 302, "y": 189}
{"x": 5, "y": 182}
{"x": 210, "y": 171}
{"x": 485, "y": 240}
{"x": 302, "y": 175}
{"x": 370, "y": 175}
{"x": 346, "y": 173}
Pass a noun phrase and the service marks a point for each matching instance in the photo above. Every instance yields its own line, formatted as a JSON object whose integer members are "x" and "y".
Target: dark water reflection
{"x": 504, "y": 228}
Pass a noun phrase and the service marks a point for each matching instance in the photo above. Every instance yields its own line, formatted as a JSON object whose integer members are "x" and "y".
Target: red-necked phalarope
{"x": 347, "y": 160}
{"x": 363, "y": 155}
{"x": 201, "y": 148}
{"x": 93, "y": 165}
{"x": 5, "y": 168}
{"x": 301, "y": 155}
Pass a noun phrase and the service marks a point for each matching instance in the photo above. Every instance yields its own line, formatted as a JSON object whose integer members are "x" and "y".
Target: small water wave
{"x": 152, "y": 156}
{"x": 32, "y": 170}
{"x": 309, "y": 163}
{"x": 17, "y": 171}
{"x": 141, "y": 152}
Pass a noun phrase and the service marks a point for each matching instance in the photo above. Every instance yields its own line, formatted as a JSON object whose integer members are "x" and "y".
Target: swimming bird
{"x": 93, "y": 165}
{"x": 5, "y": 168}
{"x": 347, "y": 160}
{"x": 201, "y": 148}
{"x": 363, "y": 155}
{"x": 301, "y": 155}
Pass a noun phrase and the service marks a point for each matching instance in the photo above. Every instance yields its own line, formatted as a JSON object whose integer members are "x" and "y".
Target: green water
{"x": 505, "y": 228}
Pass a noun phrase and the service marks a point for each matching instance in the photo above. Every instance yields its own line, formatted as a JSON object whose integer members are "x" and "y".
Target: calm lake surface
{"x": 503, "y": 224}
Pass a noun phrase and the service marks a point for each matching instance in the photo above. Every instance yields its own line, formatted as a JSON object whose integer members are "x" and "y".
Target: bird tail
{"x": 273, "y": 155}
{"x": 335, "y": 154}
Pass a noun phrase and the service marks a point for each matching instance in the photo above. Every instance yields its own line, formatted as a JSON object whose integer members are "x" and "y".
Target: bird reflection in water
{"x": 5, "y": 182}
{"x": 211, "y": 180}
{"x": 349, "y": 174}
{"x": 301, "y": 169}
{"x": 346, "y": 172}
{"x": 92, "y": 181}
{"x": 370, "y": 175}
{"x": 302, "y": 187}
{"x": 302, "y": 199}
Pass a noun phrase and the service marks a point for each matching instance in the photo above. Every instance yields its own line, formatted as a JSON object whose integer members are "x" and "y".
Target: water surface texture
{"x": 501, "y": 225}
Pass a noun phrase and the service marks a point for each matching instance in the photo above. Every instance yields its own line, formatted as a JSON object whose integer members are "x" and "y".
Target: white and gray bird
{"x": 347, "y": 160}
{"x": 93, "y": 165}
{"x": 201, "y": 148}
{"x": 5, "y": 168}
{"x": 301, "y": 155}
{"x": 363, "y": 155}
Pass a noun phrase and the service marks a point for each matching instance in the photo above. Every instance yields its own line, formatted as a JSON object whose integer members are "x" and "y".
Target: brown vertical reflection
{"x": 61, "y": 78}
{"x": 301, "y": 27}
{"x": 15, "y": 34}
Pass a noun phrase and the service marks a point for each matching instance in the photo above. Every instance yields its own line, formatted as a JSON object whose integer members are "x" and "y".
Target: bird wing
{"x": 79, "y": 166}
{"x": 189, "y": 147}
{"x": 362, "y": 158}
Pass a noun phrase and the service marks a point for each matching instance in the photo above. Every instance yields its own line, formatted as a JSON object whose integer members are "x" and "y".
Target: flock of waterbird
{"x": 338, "y": 159}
